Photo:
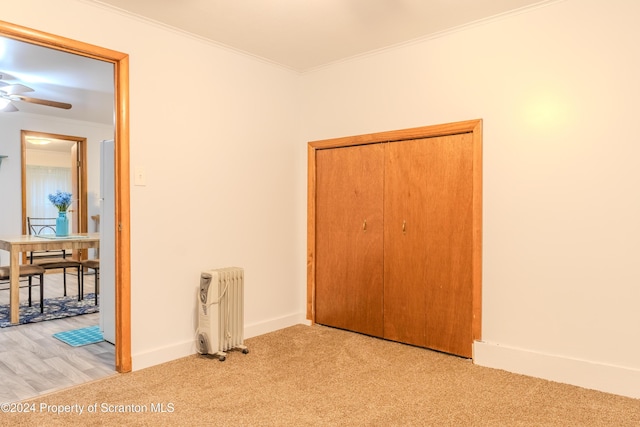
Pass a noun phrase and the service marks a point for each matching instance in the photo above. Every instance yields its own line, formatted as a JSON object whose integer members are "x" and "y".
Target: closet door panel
{"x": 405, "y": 262}
{"x": 349, "y": 232}
{"x": 449, "y": 244}
{"x": 427, "y": 284}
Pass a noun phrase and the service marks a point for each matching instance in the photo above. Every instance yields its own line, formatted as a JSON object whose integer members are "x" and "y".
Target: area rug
{"x": 54, "y": 308}
{"x": 80, "y": 337}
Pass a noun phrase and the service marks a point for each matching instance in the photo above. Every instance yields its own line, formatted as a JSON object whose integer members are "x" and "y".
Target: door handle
{"x": 404, "y": 227}
{"x": 364, "y": 225}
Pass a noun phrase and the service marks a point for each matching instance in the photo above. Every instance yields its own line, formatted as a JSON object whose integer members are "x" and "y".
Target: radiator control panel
{"x": 205, "y": 282}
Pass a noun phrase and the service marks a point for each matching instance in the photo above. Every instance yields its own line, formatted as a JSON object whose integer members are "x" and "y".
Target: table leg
{"x": 14, "y": 265}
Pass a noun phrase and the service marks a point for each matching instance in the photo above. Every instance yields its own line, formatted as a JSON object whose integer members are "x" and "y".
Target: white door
{"x": 107, "y": 242}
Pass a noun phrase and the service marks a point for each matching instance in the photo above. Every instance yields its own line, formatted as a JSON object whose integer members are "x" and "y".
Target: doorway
{"x": 120, "y": 62}
{"x": 53, "y": 162}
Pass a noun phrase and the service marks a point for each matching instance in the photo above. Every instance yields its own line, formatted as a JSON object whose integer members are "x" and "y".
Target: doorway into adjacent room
{"x": 120, "y": 63}
{"x": 52, "y": 162}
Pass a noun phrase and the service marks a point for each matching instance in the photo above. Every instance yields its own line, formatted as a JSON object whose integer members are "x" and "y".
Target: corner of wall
{"x": 618, "y": 380}
{"x": 187, "y": 348}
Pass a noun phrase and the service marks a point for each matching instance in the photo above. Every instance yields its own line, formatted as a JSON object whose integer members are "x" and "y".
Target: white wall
{"x": 557, "y": 87}
{"x": 221, "y": 173}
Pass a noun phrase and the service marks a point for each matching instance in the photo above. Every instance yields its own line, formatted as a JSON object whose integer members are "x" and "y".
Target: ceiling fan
{"x": 14, "y": 92}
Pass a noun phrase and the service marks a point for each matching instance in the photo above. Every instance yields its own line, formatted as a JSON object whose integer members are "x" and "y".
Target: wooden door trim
{"x": 470, "y": 126}
{"x": 122, "y": 194}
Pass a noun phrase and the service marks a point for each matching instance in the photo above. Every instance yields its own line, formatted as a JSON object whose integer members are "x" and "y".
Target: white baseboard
{"x": 271, "y": 325}
{"x": 163, "y": 354}
{"x": 187, "y": 348}
{"x": 618, "y": 380}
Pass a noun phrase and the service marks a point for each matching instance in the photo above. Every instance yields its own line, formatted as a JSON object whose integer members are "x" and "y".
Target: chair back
{"x": 40, "y": 226}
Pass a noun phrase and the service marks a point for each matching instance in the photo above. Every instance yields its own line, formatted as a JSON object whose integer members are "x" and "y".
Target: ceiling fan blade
{"x": 9, "y": 108}
{"x": 15, "y": 89}
{"x": 46, "y": 102}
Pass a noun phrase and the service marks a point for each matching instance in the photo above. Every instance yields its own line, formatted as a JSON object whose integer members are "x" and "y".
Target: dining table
{"x": 28, "y": 243}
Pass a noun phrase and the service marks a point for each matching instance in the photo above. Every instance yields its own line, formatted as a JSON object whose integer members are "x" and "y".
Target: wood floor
{"x": 33, "y": 362}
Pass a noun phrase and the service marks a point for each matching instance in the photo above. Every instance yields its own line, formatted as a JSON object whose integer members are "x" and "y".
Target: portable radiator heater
{"x": 220, "y": 312}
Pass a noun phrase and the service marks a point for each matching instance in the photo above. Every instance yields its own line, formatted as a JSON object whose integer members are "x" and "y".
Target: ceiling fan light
{"x": 38, "y": 141}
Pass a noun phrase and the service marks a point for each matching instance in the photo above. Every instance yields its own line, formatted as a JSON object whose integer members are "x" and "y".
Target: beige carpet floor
{"x": 320, "y": 376}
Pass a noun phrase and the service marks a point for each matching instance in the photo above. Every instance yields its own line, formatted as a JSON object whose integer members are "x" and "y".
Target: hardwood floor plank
{"x": 13, "y": 386}
{"x": 17, "y": 362}
{"x": 76, "y": 357}
{"x": 43, "y": 380}
{"x": 21, "y": 341}
{"x": 70, "y": 372}
{"x": 28, "y": 363}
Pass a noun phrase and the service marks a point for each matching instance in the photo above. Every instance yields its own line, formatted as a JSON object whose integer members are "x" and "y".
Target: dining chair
{"x": 52, "y": 259}
{"x": 28, "y": 271}
{"x": 93, "y": 264}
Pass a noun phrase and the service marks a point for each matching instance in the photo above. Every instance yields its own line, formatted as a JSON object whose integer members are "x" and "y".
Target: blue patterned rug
{"x": 54, "y": 308}
{"x": 80, "y": 337}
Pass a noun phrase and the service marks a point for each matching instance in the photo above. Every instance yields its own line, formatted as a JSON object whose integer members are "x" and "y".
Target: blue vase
{"x": 62, "y": 224}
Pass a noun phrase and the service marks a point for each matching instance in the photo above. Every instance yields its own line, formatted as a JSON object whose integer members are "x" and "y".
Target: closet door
{"x": 428, "y": 243}
{"x": 349, "y": 231}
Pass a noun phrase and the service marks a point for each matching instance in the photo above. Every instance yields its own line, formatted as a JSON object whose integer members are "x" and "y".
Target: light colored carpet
{"x": 319, "y": 376}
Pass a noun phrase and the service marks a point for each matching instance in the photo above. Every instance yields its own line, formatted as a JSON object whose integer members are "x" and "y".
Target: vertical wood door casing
{"x": 76, "y": 188}
{"x": 349, "y": 269}
{"x": 470, "y": 255}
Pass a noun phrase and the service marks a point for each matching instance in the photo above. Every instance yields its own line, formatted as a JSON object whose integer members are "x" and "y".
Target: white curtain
{"x": 42, "y": 181}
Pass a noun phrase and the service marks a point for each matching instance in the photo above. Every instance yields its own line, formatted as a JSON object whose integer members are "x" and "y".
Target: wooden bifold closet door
{"x": 349, "y": 264}
{"x": 427, "y": 243}
{"x": 395, "y": 246}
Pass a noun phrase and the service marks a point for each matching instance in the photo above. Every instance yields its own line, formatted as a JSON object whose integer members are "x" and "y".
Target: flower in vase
{"x": 61, "y": 200}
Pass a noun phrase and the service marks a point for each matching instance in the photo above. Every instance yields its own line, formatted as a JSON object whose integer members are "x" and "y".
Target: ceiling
{"x": 87, "y": 84}
{"x": 297, "y": 34}
{"x": 306, "y": 34}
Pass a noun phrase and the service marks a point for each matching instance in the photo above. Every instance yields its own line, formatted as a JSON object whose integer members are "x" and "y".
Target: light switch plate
{"x": 140, "y": 177}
